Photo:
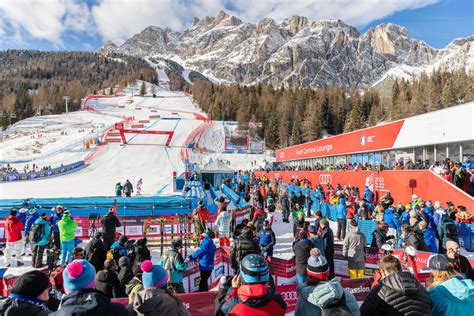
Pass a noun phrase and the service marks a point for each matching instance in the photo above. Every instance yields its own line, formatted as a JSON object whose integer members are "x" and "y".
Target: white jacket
{"x": 223, "y": 224}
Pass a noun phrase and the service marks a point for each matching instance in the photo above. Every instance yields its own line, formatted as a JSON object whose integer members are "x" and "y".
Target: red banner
{"x": 369, "y": 139}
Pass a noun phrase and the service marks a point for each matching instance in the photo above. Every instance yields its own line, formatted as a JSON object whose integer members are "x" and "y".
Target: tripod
{"x": 93, "y": 218}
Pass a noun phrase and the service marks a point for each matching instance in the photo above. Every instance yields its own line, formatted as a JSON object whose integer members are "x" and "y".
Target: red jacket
{"x": 13, "y": 229}
{"x": 255, "y": 300}
{"x": 202, "y": 213}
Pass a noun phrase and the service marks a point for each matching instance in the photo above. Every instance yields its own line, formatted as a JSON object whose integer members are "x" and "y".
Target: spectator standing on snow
{"x": 81, "y": 296}
{"x": 320, "y": 295}
{"x": 302, "y": 249}
{"x": 250, "y": 294}
{"x": 96, "y": 252}
{"x": 450, "y": 293}
{"x": 13, "y": 232}
{"x": 368, "y": 195}
{"x": 118, "y": 189}
{"x": 397, "y": 293}
{"x": 126, "y": 274}
{"x": 43, "y": 235}
{"x": 353, "y": 250}
{"x": 28, "y": 297}
{"x": 156, "y": 298}
{"x": 109, "y": 224}
{"x": 174, "y": 263}
{"x": 142, "y": 252}
{"x": 327, "y": 234}
{"x": 244, "y": 245}
{"x": 222, "y": 227}
{"x": 139, "y": 186}
{"x": 30, "y": 221}
{"x": 56, "y": 215}
{"x": 341, "y": 213}
{"x": 285, "y": 207}
{"x": 66, "y": 234}
{"x": 447, "y": 230}
{"x": 127, "y": 188}
{"x": 379, "y": 236}
{"x": 429, "y": 236}
{"x": 205, "y": 253}
{"x": 200, "y": 215}
{"x": 267, "y": 239}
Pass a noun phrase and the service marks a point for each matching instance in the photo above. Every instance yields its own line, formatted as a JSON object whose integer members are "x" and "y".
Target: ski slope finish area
{"x": 145, "y": 156}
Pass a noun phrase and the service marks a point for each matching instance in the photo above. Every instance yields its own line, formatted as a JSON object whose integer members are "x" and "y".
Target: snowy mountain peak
{"x": 296, "y": 51}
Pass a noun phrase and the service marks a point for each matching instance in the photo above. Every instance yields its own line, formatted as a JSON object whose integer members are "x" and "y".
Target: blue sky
{"x": 85, "y": 25}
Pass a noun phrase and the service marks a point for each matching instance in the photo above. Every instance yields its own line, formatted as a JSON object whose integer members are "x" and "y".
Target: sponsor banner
{"x": 360, "y": 288}
{"x": 369, "y": 139}
{"x": 41, "y": 173}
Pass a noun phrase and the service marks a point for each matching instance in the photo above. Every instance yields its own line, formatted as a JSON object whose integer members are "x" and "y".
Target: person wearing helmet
{"x": 250, "y": 293}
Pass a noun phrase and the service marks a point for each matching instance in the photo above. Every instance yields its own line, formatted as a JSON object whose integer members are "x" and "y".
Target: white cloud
{"x": 44, "y": 19}
{"x": 117, "y": 20}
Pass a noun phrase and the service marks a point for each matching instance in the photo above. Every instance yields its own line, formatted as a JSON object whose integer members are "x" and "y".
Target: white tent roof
{"x": 217, "y": 167}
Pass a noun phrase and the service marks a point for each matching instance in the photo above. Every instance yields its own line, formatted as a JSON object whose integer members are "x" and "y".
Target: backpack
{"x": 56, "y": 279}
{"x": 451, "y": 231}
{"x": 339, "y": 308}
{"x": 91, "y": 254}
{"x": 36, "y": 233}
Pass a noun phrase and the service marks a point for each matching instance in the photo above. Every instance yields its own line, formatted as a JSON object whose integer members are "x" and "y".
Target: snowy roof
{"x": 217, "y": 167}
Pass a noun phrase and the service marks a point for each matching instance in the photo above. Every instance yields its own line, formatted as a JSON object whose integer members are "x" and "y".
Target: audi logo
{"x": 289, "y": 296}
{"x": 325, "y": 179}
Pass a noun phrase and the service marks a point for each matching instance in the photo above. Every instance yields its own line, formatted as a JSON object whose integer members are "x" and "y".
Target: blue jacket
{"x": 318, "y": 242}
{"x": 312, "y": 298}
{"x": 29, "y": 222}
{"x": 430, "y": 239}
{"x": 390, "y": 219}
{"x": 205, "y": 253}
{"x": 405, "y": 218}
{"x": 453, "y": 297}
{"x": 341, "y": 211}
{"x": 22, "y": 217}
{"x": 116, "y": 246}
{"x": 54, "y": 220}
{"x": 47, "y": 231}
{"x": 368, "y": 195}
{"x": 267, "y": 238}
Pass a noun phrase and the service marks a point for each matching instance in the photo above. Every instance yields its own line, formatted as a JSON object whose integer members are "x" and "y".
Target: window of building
{"x": 440, "y": 152}
{"x": 453, "y": 151}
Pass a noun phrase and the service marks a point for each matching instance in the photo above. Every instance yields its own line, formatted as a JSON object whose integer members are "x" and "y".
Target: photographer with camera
{"x": 109, "y": 224}
{"x": 96, "y": 252}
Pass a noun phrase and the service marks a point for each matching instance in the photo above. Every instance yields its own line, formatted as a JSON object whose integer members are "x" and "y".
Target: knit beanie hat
{"x": 317, "y": 267}
{"x": 124, "y": 262}
{"x": 78, "y": 275}
{"x": 353, "y": 223}
{"x": 153, "y": 275}
{"x": 312, "y": 230}
{"x": 31, "y": 284}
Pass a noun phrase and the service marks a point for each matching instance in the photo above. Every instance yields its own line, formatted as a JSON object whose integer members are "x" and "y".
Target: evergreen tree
{"x": 142, "y": 89}
{"x": 312, "y": 122}
{"x": 111, "y": 91}
{"x": 23, "y": 104}
{"x": 271, "y": 131}
{"x": 295, "y": 135}
{"x": 354, "y": 120}
{"x": 448, "y": 94}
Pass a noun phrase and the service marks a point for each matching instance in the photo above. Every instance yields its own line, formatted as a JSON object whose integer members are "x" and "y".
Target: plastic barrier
{"x": 234, "y": 197}
{"x": 466, "y": 236}
{"x": 42, "y": 173}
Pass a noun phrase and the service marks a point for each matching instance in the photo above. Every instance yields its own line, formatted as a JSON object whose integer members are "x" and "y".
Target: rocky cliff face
{"x": 295, "y": 51}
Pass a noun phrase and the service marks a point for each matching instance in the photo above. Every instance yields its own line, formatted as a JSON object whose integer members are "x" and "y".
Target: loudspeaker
{"x": 412, "y": 183}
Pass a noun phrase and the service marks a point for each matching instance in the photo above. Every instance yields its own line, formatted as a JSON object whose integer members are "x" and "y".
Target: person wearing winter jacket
{"x": 109, "y": 224}
{"x": 244, "y": 245}
{"x": 379, "y": 236}
{"x": 397, "y": 293}
{"x": 28, "y": 297}
{"x": 66, "y": 234}
{"x": 447, "y": 230}
{"x": 118, "y": 189}
{"x": 285, "y": 207}
{"x": 438, "y": 215}
{"x": 125, "y": 271}
{"x": 39, "y": 247}
{"x": 142, "y": 252}
{"x": 327, "y": 234}
{"x": 81, "y": 296}
{"x": 302, "y": 249}
{"x": 250, "y": 293}
{"x": 108, "y": 282}
{"x": 56, "y": 215}
{"x": 135, "y": 285}
{"x": 308, "y": 203}
{"x": 450, "y": 293}
{"x": 222, "y": 225}
{"x": 318, "y": 293}
{"x": 267, "y": 239}
{"x": 368, "y": 195}
{"x": 415, "y": 239}
{"x": 341, "y": 213}
{"x": 22, "y": 215}
{"x": 205, "y": 253}
{"x": 14, "y": 237}
{"x": 461, "y": 264}
{"x": 127, "y": 188}
{"x": 156, "y": 298}
{"x": 405, "y": 216}
{"x": 390, "y": 219}
{"x": 386, "y": 201}
{"x": 463, "y": 216}
{"x": 353, "y": 249}
{"x": 173, "y": 262}
{"x": 95, "y": 252}
{"x": 429, "y": 236}
{"x": 200, "y": 215}
{"x": 34, "y": 215}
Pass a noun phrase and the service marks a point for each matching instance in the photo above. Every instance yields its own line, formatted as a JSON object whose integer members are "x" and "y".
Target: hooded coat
{"x": 13, "y": 229}
{"x": 313, "y": 298}
{"x": 397, "y": 294}
{"x": 66, "y": 228}
{"x": 390, "y": 219}
{"x": 156, "y": 301}
{"x": 245, "y": 244}
{"x": 453, "y": 297}
{"x": 47, "y": 231}
{"x": 223, "y": 224}
{"x": 353, "y": 248}
{"x": 205, "y": 253}
{"x": 108, "y": 282}
{"x": 302, "y": 251}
